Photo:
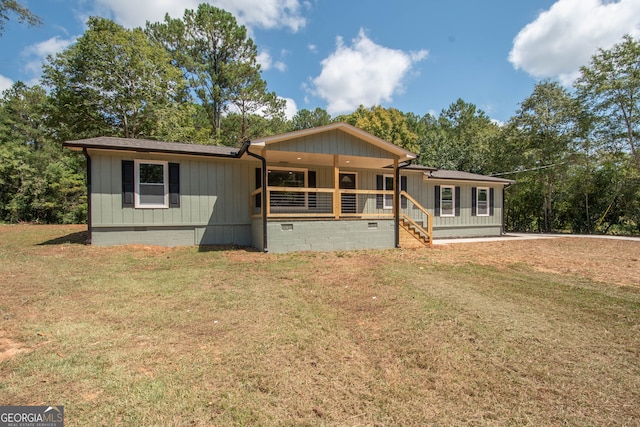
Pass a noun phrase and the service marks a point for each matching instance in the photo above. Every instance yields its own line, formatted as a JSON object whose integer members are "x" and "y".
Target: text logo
{"x": 31, "y": 416}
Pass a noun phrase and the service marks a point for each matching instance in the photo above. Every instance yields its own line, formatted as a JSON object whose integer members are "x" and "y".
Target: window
{"x": 385, "y": 182}
{"x": 482, "y": 203}
{"x": 447, "y": 200}
{"x": 288, "y": 178}
{"x": 388, "y": 185}
{"x": 151, "y": 184}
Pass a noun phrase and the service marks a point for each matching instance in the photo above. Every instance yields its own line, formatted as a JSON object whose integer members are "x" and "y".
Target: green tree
{"x": 24, "y": 114}
{"x": 184, "y": 122}
{"x": 250, "y": 98}
{"x": 460, "y": 138}
{"x": 24, "y": 14}
{"x": 610, "y": 88}
{"x": 306, "y": 119}
{"x": 259, "y": 126}
{"x": 38, "y": 180}
{"x": 545, "y": 132}
{"x": 112, "y": 81}
{"x": 386, "y": 123}
{"x": 218, "y": 60}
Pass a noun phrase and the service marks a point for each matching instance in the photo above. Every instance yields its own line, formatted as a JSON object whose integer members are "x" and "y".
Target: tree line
{"x": 195, "y": 79}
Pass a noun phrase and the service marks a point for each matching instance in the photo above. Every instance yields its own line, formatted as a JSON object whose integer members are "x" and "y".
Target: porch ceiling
{"x": 344, "y": 162}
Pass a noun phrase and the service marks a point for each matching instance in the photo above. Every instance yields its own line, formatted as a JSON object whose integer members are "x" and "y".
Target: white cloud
{"x": 498, "y": 123}
{"x": 312, "y": 48}
{"x": 565, "y": 37}
{"x": 290, "y": 108}
{"x": 266, "y": 14}
{"x": 5, "y": 83}
{"x": 35, "y": 54}
{"x": 364, "y": 73}
{"x": 266, "y": 62}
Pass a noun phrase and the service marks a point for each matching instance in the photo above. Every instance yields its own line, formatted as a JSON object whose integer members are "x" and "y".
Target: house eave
{"x": 136, "y": 146}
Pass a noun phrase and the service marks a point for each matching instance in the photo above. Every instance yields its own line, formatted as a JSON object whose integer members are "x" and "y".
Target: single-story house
{"x": 332, "y": 187}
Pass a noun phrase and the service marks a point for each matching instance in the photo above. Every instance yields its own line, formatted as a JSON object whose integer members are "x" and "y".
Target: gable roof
{"x": 150, "y": 146}
{"x": 345, "y": 127}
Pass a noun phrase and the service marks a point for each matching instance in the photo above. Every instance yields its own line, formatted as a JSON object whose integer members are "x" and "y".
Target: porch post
{"x": 396, "y": 201}
{"x": 336, "y": 188}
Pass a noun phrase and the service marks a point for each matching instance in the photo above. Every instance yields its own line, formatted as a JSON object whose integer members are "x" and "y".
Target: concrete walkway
{"x": 528, "y": 236}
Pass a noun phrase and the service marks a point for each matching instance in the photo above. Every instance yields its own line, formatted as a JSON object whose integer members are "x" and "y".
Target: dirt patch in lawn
{"x": 10, "y": 348}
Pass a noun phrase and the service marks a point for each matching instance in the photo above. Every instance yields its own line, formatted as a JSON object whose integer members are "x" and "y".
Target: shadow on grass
{"x": 78, "y": 238}
{"x": 223, "y": 248}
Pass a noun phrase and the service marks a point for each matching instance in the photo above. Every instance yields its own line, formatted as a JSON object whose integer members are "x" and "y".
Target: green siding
{"x": 464, "y": 225}
{"x": 214, "y": 203}
{"x": 213, "y": 192}
{"x": 333, "y": 142}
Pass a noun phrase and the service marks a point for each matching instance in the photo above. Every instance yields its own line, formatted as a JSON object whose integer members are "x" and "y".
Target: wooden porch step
{"x": 410, "y": 237}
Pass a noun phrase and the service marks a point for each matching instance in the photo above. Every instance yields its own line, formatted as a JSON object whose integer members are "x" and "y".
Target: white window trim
{"x": 478, "y": 189}
{"x": 387, "y": 197}
{"x": 165, "y": 177}
{"x": 453, "y": 201}
{"x": 306, "y": 185}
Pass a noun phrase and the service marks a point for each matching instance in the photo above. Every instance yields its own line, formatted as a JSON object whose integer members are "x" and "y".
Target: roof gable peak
{"x": 341, "y": 126}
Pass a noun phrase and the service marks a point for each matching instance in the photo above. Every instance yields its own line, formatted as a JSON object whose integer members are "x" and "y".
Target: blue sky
{"x": 416, "y": 56}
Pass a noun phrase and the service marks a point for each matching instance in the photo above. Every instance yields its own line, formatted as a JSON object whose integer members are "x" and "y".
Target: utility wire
{"x": 528, "y": 170}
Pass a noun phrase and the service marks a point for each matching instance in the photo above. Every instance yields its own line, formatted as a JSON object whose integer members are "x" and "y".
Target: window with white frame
{"x": 447, "y": 200}
{"x": 388, "y": 185}
{"x": 482, "y": 201}
{"x": 151, "y": 184}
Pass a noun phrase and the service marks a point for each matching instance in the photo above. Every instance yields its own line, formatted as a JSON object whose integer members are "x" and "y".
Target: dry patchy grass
{"x": 509, "y": 333}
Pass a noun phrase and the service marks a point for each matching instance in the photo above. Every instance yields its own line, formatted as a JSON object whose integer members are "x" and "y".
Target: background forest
{"x": 573, "y": 152}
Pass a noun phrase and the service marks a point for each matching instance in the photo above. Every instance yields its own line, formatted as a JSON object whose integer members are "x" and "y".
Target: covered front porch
{"x": 340, "y": 189}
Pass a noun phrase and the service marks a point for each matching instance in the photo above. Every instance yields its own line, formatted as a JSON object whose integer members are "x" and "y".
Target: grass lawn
{"x": 468, "y": 334}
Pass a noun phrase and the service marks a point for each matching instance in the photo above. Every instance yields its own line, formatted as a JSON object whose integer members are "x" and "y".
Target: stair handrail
{"x": 429, "y": 230}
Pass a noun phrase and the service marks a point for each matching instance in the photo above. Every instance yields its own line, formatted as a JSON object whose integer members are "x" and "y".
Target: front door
{"x": 348, "y": 201}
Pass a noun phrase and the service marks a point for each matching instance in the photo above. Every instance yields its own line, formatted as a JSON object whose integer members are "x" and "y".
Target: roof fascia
{"x": 79, "y": 147}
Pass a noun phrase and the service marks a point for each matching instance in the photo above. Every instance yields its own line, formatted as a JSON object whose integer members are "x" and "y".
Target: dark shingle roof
{"x": 435, "y": 173}
{"x": 466, "y": 176}
{"x": 149, "y": 146}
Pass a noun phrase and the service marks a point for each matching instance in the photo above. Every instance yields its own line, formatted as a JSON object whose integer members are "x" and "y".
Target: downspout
{"x": 397, "y": 201}
{"x": 264, "y": 194}
{"x": 504, "y": 207}
{"x": 243, "y": 149}
{"x": 88, "y": 159}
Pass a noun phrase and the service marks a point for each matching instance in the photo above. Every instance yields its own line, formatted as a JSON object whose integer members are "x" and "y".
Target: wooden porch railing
{"x": 427, "y": 231}
{"x": 303, "y": 202}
